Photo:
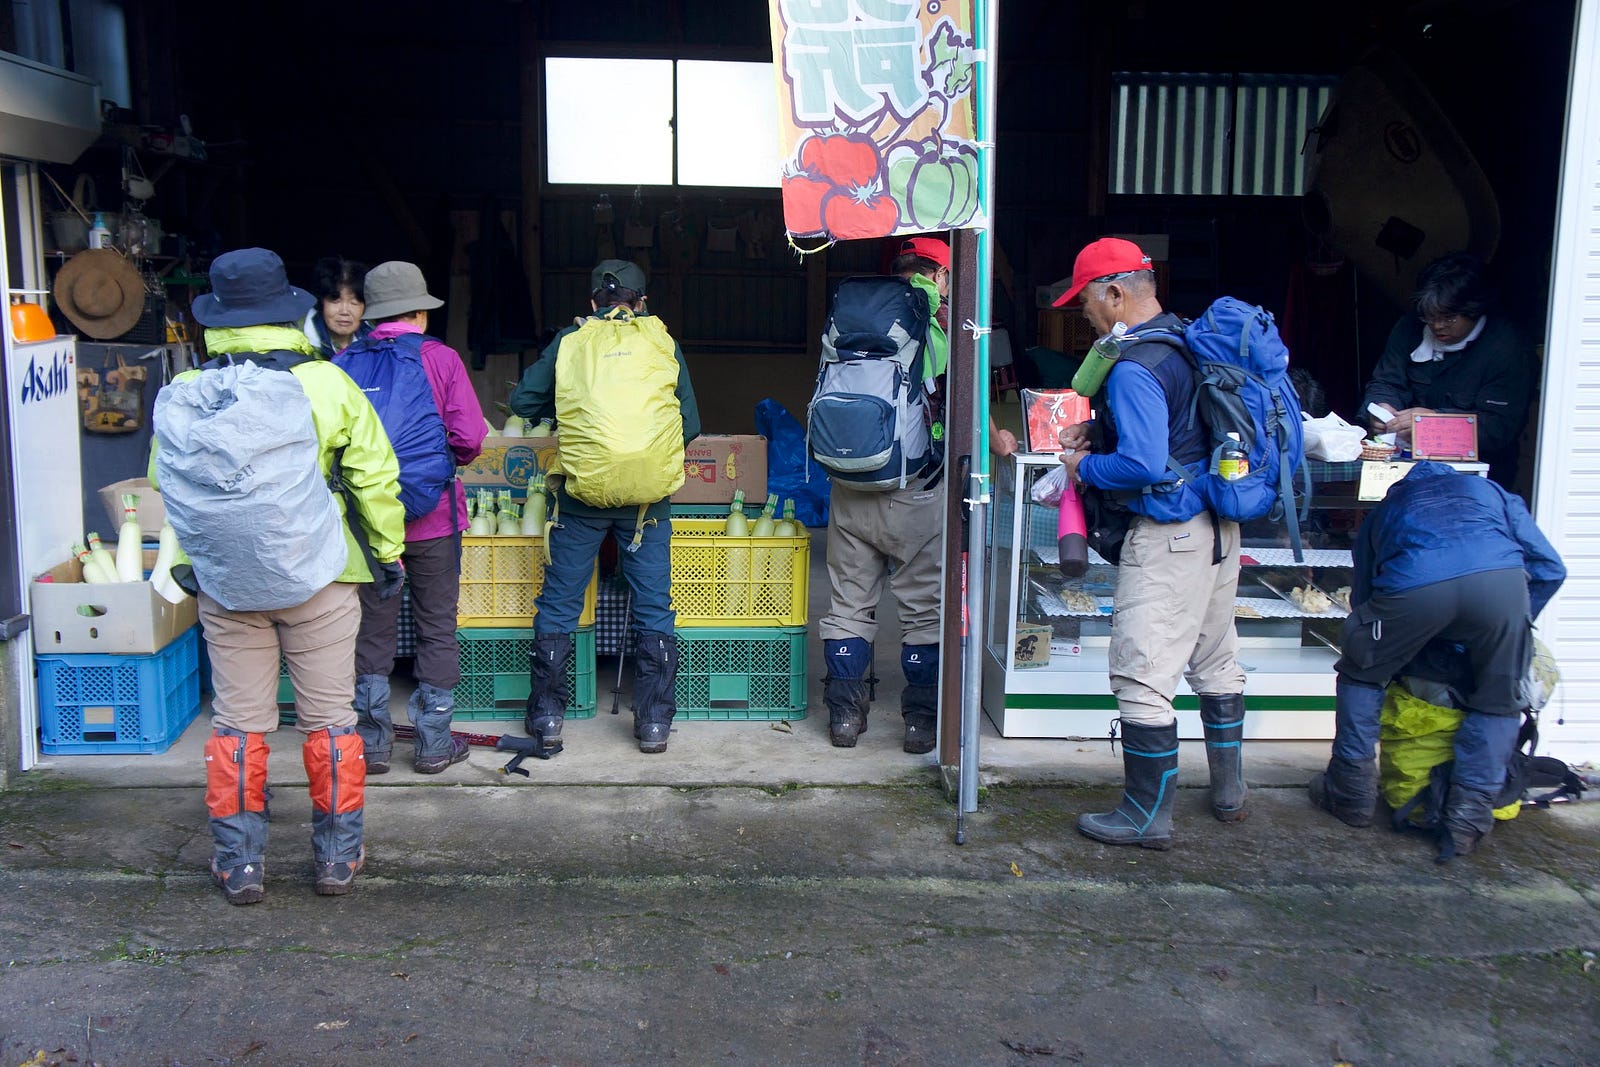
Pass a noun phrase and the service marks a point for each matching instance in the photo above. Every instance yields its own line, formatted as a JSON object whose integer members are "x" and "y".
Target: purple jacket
{"x": 463, "y": 427}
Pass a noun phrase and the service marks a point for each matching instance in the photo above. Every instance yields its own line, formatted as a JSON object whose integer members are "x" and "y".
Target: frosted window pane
{"x": 728, "y": 124}
{"x": 608, "y": 121}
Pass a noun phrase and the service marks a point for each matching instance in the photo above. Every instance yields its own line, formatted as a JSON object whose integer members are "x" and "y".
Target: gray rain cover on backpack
{"x": 237, "y": 463}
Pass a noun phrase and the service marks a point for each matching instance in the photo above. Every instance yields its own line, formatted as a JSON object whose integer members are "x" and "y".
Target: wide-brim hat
{"x": 100, "y": 293}
{"x": 397, "y": 288}
{"x": 250, "y": 288}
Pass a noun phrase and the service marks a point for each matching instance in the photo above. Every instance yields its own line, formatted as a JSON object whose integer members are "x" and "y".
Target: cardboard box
{"x": 1032, "y": 648}
{"x": 126, "y": 617}
{"x": 152, "y": 512}
{"x": 716, "y": 465}
{"x": 509, "y": 463}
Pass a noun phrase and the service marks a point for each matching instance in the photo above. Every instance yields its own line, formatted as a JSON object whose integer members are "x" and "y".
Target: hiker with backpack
{"x": 1444, "y": 557}
{"x": 618, "y": 388}
{"x": 1140, "y": 464}
{"x": 246, "y": 453}
{"x": 421, "y": 391}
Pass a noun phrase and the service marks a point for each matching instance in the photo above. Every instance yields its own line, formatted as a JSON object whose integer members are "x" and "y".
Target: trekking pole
{"x": 622, "y": 650}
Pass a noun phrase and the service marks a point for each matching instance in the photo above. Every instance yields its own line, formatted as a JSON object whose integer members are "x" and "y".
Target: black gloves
{"x": 183, "y": 577}
{"x": 388, "y": 579}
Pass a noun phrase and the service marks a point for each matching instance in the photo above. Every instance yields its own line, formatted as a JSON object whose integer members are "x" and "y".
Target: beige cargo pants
{"x": 1174, "y": 616}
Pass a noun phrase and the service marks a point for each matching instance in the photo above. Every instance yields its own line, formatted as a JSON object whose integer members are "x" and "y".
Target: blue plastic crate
{"x": 97, "y": 703}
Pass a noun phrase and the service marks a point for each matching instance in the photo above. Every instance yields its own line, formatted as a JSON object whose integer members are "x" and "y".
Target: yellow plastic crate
{"x": 500, "y": 577}
{"x": 719, "y": 580}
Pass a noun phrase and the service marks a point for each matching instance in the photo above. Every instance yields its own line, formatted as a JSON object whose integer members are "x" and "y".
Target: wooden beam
{"x": 959, "y": 399}
{"x": 532, "y": 138}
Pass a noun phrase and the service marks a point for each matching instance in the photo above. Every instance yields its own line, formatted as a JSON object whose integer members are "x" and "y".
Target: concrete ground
{"x": 754, "y": 896}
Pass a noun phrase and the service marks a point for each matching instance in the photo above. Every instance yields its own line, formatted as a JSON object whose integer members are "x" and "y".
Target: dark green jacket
{"x": 535, "y": 398}
{"x": 1492, "y": 377}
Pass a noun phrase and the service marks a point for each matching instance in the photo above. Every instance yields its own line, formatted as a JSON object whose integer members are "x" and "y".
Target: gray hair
{"x": 1138, "y": 282}
{"x": 1453, "y": 285}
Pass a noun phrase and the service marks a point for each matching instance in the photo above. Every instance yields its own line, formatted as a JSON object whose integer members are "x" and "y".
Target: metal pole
{"x": 986, "y": 19}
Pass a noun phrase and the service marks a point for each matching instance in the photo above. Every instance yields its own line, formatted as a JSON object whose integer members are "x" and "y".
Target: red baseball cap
{"x": 928, "y": 248}
{"x": 1109, "y": 255}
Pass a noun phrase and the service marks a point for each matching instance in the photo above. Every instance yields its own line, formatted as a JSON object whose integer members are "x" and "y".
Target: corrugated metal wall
{"x": 1212, "y": 134}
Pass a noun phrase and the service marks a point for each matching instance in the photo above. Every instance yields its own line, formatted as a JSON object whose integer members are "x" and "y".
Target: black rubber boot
{"x": 920, "y": 706}
{"x": 1467, "y": 819}
{"x": 655, "y": 690}
{"x": 1223, "y": 719}
{"x": 547, "y": 695}
{"x": 1150, "y": 778}
{"x": 1348, "y": 789}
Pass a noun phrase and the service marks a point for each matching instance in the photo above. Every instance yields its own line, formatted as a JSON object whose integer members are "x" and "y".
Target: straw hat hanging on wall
{"x": 100, "y": 292}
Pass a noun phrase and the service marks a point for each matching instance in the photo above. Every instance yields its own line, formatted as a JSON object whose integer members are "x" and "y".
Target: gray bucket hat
{"x": 397, "y": 288}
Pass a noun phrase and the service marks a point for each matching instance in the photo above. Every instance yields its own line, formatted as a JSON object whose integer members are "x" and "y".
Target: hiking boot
{"x": 547, "y": 693}
{"x": 1347, "y": 789}
{"x": 336, "y": 879}
{"x": 652, "y": 736}
{"x": 1467, "y": 818}
{"x": 920, "y": 706}
{"x": 459, "y": 750}
{"x": 242, "y": 884}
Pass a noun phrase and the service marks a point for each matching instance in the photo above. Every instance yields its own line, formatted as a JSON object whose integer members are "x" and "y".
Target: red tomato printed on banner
{"x": 849, "y": 160}
{"x": 803, "y": 198}
{"x": 855, "y": 215}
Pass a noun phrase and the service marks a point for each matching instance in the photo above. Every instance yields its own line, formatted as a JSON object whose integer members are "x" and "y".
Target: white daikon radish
{"x": 161, "y": 573}
{"x": 533, "y": 514}
{"x": 514, "y": 426}
{"x": 510, "y": 524}
{"x": 542, "y": 428}
{"x": 478, "y": 511}
{"x": 103, "y": 557}
{"x": 93, "y": 572}
{"x": 130, "y": 541}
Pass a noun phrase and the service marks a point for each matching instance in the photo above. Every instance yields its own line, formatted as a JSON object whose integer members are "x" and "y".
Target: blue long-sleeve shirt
{"x": 1438, "y": 523}
{"x": 1144, "y": 417}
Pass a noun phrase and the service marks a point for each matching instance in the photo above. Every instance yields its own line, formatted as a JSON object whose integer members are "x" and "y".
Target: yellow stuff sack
{"x": 621, "y": 428}
{"x": 1414, "y": 737}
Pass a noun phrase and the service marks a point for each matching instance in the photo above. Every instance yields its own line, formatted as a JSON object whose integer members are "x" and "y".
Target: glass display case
{"x": 1047, "y": 636}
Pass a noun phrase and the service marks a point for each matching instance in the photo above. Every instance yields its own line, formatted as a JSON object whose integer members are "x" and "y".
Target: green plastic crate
{"x": 750, "y": 672}
{"x": 494, "y": 676}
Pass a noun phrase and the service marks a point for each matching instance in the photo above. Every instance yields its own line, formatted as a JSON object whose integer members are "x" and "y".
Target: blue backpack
{"x": 1242, "y": 388}
{"x": 868, "y": 423}
{"x": 390, "y": 373}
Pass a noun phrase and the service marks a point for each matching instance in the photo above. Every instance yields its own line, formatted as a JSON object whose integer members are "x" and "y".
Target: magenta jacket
{"x": 463, "y": 427}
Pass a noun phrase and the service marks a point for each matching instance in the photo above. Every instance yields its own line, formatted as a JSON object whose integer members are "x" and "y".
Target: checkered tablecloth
{"x": 611, "y": 619}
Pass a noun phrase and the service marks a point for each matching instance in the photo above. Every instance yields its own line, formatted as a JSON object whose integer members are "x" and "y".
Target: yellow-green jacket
{"x": 344, "y": 420}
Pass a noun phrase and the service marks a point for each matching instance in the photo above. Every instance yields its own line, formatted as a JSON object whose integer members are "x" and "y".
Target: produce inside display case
{"x": 1047, "y": 634}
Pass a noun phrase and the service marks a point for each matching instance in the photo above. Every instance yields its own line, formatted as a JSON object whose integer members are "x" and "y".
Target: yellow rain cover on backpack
{"x": 621, "y": 428}
{"x": 1414, "y": 737}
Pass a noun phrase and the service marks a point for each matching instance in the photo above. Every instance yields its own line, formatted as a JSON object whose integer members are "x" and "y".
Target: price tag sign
{"x": 1377, "y": 477}
{"x": 1445, "y": 436}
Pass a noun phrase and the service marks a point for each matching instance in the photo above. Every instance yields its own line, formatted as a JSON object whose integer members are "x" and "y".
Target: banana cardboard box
{"x": 715, "y": 465}
{"x": 509, "y": 463}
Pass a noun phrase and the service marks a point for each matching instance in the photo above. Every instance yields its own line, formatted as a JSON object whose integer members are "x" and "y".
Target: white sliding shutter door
{"x": 1567, "y": 489}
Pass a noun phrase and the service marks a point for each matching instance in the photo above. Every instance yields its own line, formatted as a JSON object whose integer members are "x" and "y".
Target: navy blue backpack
{"x": 1242, "y": 389}
{"x": 390, "y": 373}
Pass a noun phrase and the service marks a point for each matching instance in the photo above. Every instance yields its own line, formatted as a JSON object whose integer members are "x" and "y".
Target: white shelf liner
{"x": 1274, "y": 608}
{"x": 1051, "y": 554}
{"x": 1054, "y": 606}
{"x": 1284, "y": 557}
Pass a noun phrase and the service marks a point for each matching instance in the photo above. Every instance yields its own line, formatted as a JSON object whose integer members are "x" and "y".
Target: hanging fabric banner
{"x": 875, "y": 116}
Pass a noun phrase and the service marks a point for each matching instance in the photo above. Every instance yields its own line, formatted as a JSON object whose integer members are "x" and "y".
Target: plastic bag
{"x": 1331, "y": 439}
{"x": 787, "y": 464}
{"x": 1048, "y": 489}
